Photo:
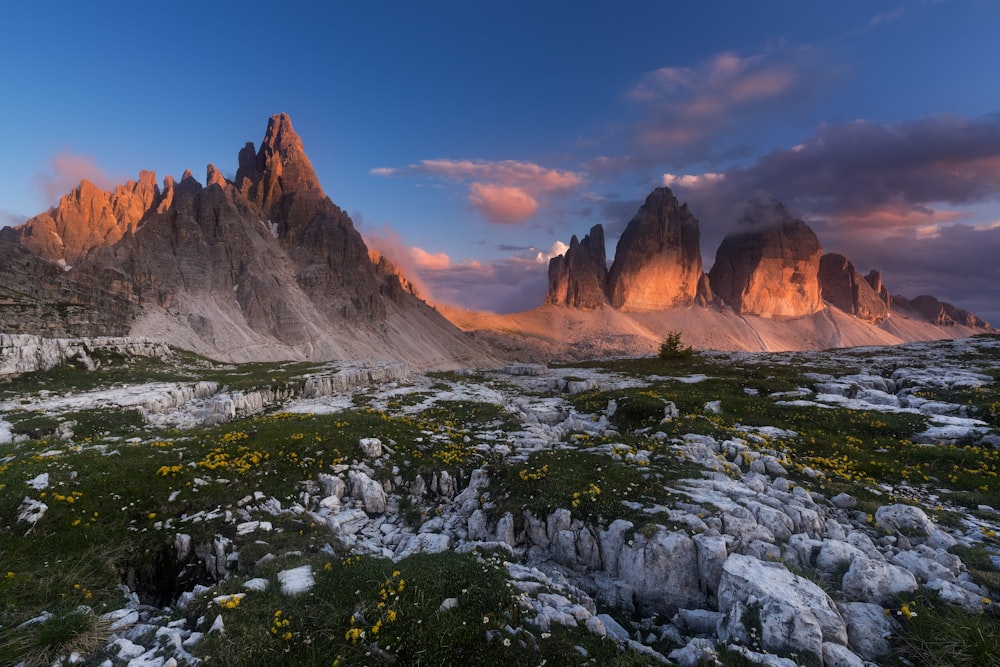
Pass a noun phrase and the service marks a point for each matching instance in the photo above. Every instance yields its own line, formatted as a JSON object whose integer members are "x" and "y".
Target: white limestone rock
{"x": 871, "y": 580}
{"x": 835, "y": 554}
{"x": 794, "y": 612}
{"x": 837, "y": 655}
{"x": 868, "y": 629}
{"x": 423, "y": 543}
{"x": 663, "y": 569}
{"x": 296, "y": 580}
{"x": 368, "y": 491}
{"x": 905, "y": 519}
{"x": 371, "y": 447}
{"x": 332, "y": 485}
{"x": 31, "y": 510}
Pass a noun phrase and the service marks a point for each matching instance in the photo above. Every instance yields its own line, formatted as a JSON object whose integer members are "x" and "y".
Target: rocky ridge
{"x": 265, "y": 267}
{"x": 844, "y": 287}
{"x": 579, "y": 277}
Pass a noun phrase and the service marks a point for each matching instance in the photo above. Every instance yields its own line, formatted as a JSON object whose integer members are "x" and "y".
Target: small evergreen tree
{"x": 673, "y": 348}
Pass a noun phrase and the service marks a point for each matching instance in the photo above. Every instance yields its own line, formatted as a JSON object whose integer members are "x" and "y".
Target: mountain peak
{"x": 578, "y": 277}
{"x": 279, "y": 168}
{"x": 770, "y": 265}
{"x": 658, "y": 258}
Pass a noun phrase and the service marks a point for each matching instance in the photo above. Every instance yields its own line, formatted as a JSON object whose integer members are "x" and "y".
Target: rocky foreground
{"x": 668, "y": 508}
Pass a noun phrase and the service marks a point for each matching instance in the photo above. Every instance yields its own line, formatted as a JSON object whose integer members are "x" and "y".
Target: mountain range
{"x": 770, "y": 288}
{"x": 266, "y": 267}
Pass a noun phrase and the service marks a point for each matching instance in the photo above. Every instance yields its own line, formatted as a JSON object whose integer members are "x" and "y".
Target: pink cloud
{"x": 503, "y": 192}
{"x": 922, "y": 218}
{"x": 503, "y": 204}
{"x": 388, "y": 243}
{"x": 430, "y": 261}
{"x": 501, "y": 286}
{"x": 66, "y": 172}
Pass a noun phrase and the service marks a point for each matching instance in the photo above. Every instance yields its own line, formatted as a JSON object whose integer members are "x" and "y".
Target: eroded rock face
{"x": 578, "y": 278}
{"x": 794, "y": 611}
{"x": 658, "y": 259}
{"x": 88, "y": 218}
{"x": 771, "y": 268}
{"x": 844, "y": 287}
{"x": 874, "y": 279}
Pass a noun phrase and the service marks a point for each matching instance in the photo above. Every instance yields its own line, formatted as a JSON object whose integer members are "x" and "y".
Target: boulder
{"x": 871, "y": 580}
{"x": 794, "y": 612}
{"x": 663, "y": 570}
{"x": 906, "y": 520}
{"x": 868, "y": 629}
{"x": 368, "y": 491}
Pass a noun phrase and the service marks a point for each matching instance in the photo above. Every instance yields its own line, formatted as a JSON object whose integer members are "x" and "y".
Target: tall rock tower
{"x": 578, "y": 278}
{"x": 771, "y": 266}
{"x": 658, "y": 259}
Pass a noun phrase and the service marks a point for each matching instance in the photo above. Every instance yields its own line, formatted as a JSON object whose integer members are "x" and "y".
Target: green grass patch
{"x": 937, "y": 633}
{"x": 373, "y": 611}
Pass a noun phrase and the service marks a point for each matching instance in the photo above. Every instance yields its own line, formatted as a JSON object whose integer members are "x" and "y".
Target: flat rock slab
{"x": 297, "y": 580}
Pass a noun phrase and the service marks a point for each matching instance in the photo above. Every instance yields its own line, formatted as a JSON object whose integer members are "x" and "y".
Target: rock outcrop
{"x": 771, "y": 266}
{"x": 88, "y": 218}
{"x": 578, "y": 278}
{"x": 658, "y": 259}
{"x": 844, "y": 287}
{"x": 874, "y": 278}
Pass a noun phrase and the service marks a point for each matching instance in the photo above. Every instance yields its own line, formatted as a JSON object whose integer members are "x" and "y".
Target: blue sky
{"x": 469, "y": 140}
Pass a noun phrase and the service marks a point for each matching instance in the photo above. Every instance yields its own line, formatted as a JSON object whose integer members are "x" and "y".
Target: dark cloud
{"x": 886, "y": 196}
{"x": 878, "y": 175}
{"x": 958, "y": 265}
{"x": 501, "y": 286}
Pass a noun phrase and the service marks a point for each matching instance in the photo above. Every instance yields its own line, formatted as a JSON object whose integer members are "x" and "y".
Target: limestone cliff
{"x": 771, "y": 266}
{"x": 658, "y": 259}
{"x": 844, "y": 287}
{"x": 578, "y": 278}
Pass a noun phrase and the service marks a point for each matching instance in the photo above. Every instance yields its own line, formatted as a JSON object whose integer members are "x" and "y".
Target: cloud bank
{"x": 507, "y": 284}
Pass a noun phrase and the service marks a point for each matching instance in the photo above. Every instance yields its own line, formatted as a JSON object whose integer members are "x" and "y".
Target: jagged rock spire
{"x": 578, "y": 277}
{"x": 844, "y": 287}
{"x": 279, "y": 168}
